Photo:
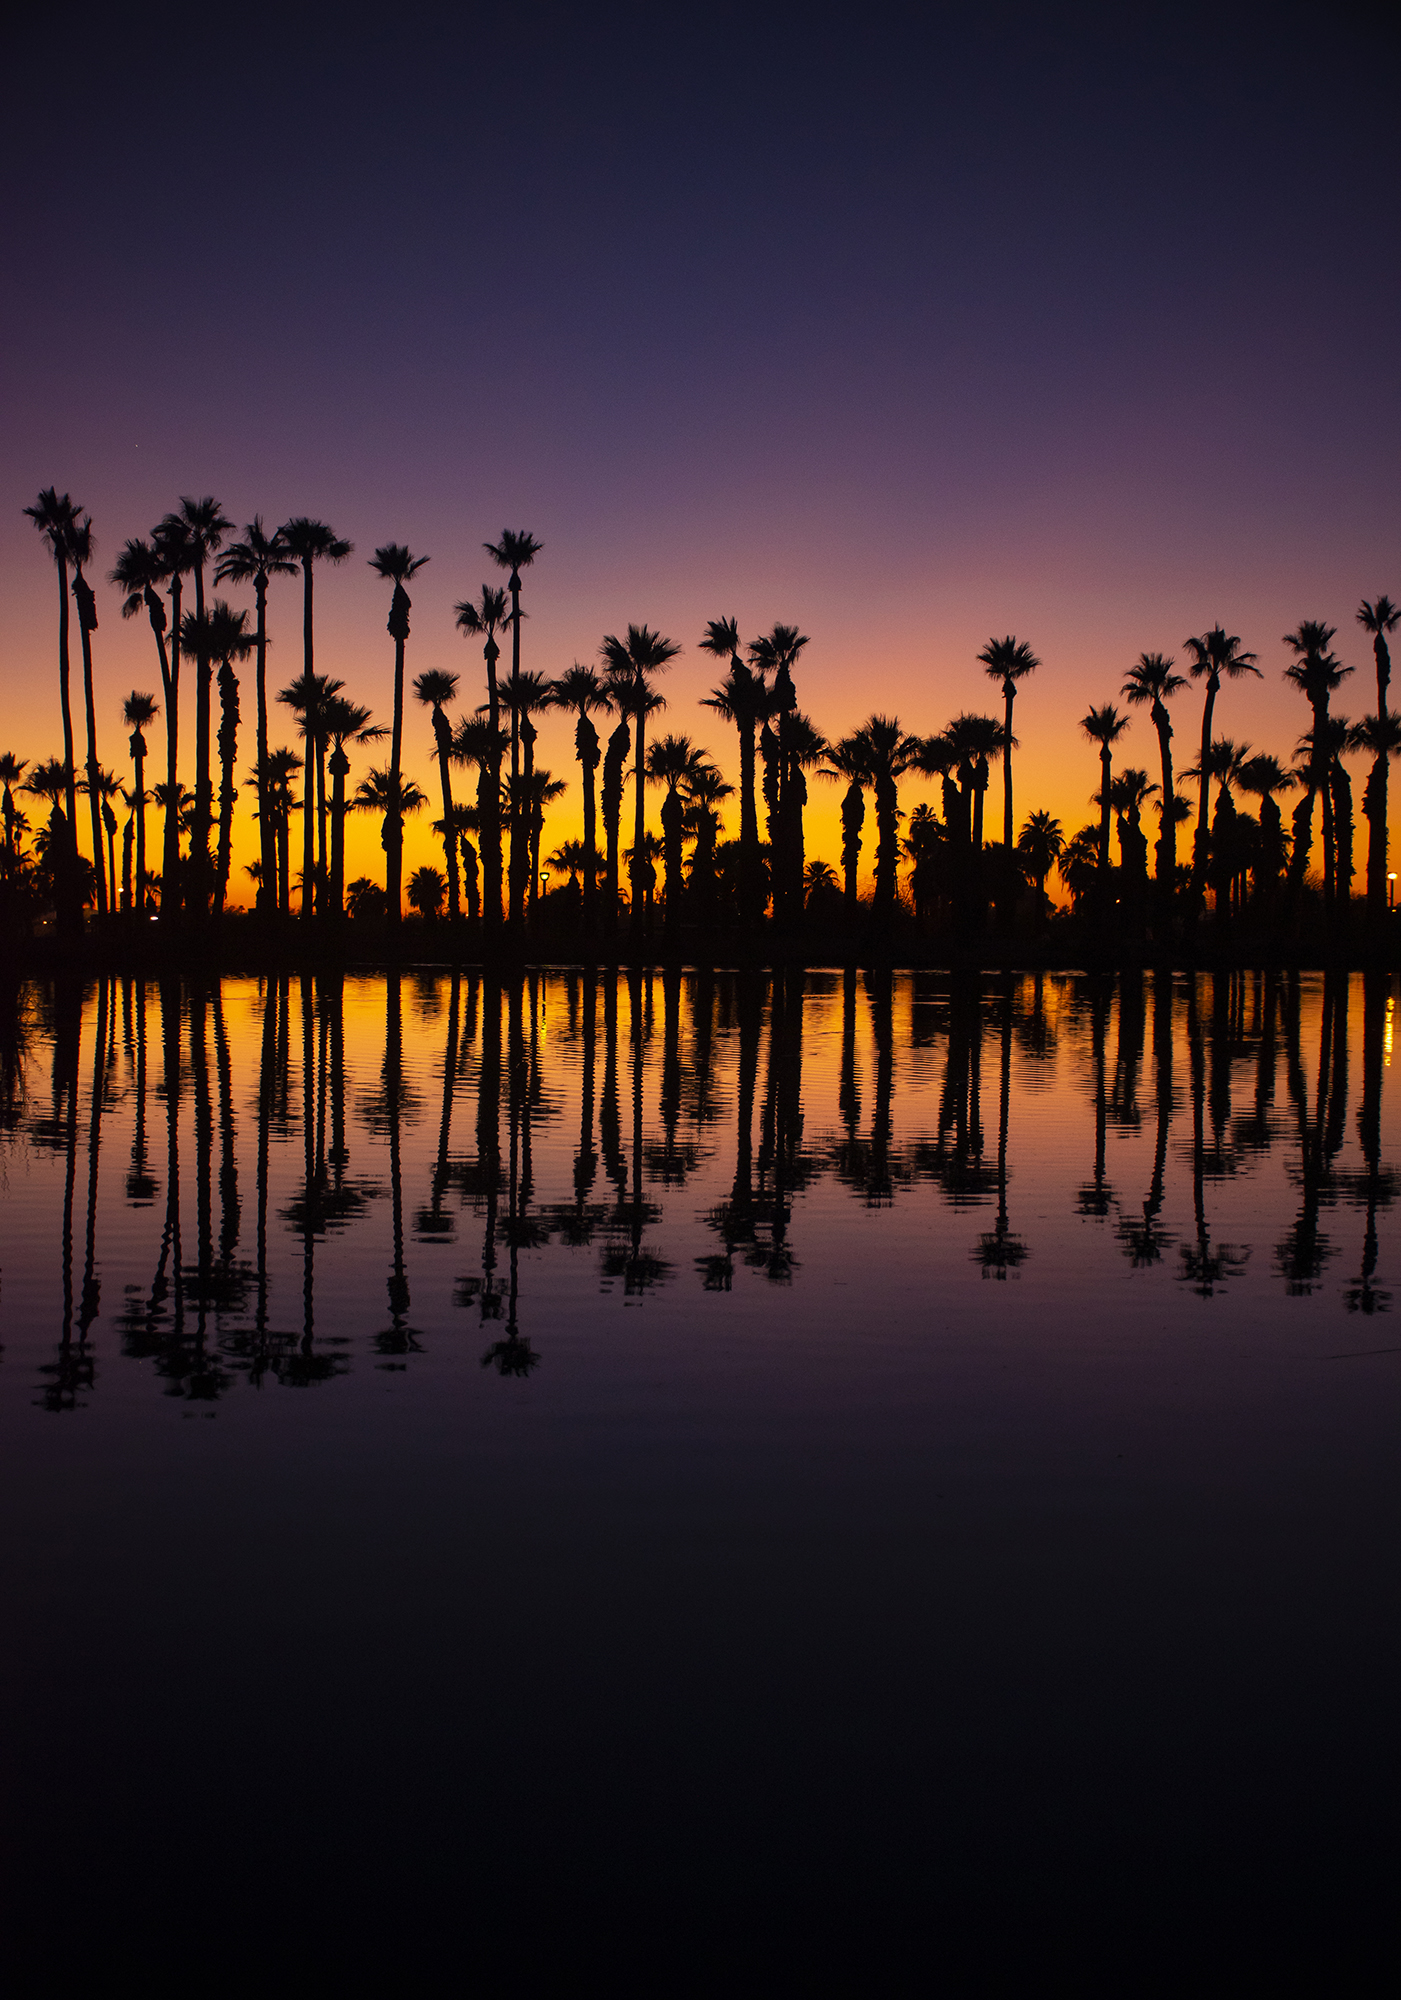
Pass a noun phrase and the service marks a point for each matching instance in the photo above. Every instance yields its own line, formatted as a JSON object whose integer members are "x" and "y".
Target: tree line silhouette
{"x": 160, "y": 1061}
{"x": 935, "y": 872}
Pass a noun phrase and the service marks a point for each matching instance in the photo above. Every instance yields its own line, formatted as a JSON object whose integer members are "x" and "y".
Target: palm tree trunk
{"x": 443, "y": 738}
{"x": 853, "y": 818}
{"x": 267, "y": 837}
{"x": 322, "y": 869}
{"x": 228, "y": 750}
{"x": 1009, "y": 690}
{"x": 1200, "y": 845}
{"x": 519, "y": 819}
{"x": 339, "y": 767}
{"x": 394, "y": 818}
{"x": 128, "y": 839}
{"x": 87, "y": 618}
{"x": 590, "y": 837}
{"x": 309, "y": 776}
{"x": 170, "y": 843}
{"x": 71, "y": 909}
{"x": 639, "y": 858}
{"x": 140, "y": 903}
{"x": 1167, "y": 835}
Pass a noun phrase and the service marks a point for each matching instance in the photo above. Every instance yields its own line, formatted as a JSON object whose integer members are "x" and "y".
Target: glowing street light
{"x": 1391, "y": 889}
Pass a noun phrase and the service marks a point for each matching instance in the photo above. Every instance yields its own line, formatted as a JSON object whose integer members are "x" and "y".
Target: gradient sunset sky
{"x": 910, "y": 326}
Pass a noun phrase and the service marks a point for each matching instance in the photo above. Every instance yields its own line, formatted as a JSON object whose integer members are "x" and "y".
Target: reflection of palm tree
{"x": 1096, "y": 1197}
{"x": 1204, "y": 1267}
{"x": 1143, "y": 1237}
{"x": 1379, "y": 1188}
{"x": 999, "y": 1251}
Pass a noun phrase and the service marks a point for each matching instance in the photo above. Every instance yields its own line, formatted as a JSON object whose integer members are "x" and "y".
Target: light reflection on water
{"x": 281, "y": 1182}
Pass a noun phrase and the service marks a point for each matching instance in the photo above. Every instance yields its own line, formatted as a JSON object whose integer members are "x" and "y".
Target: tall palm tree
{"x": 1215, "y": 653}
{"x": 83, "y": 548}
{"x": 309, "y": 543}
{"x": 705, "y": 788}
{"x": 742, "y": 698}
{"x": 526, "y": 696}
{"x": 1008, "y": 660}
{"x": 479, "y": 742}
{"x": 258, "y": 557}
{"x": 1380, "y": 737}
{"x": 231, "y": 641}
{"x": 139, "y": 711}
{"x": 674, "y": 761}
{"x": 139, "y": 571}
{"x": 12, "y": 770}
{"x": 847, "y": 760}
{"x": 52, "y": 781}
{"x": 977, "y": 741}
{"x": 275, "y": 798}
{"x": 1318, "y": 676}
{"x": 1128, "y": 794}
{"x": 389, "y": 793}
{"x": 107, "y": 786}
{"x": 1379, "y": 618}
{"x": 397, "y": 566}
{"x": 631, "y": 663}
{"x": 777, "y": 653}
{"x": 515, "y": 551}
{"x": 1262, "y": 776}
{"x": 343, "y": 722}
{"x": 307, "y": 697}
{"x": 886, "y": 752}
{"x": 1151, "y": 682}
{"x": 483, "y": 620}
{"x": 55, "y": 515}
{"x": 197, "y": 528}
{"x": 610, "y": 805}
{"x": 435, "y": 689}
{"x": 1104, "y": 726}
{"x": 583, "y": 694}
{"x": 1040, "y": 845}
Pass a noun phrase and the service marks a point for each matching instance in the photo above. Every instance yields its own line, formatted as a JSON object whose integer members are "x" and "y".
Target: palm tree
{"x": 743, "y": 699}
{"x": 1215, "y": 653}
{"x": 425, "y": 893}
{"x": 1262, "y": 776}
{"x": 477, "y": 742}
{"x": 1380, "y": 737}
{"x": 107, "y": 786}
{"x": 848, "y": 760}
{"x": 631, "y": 662}
{"x": 1104, "y": 726}
{"x": 52, "y": 781}
{"x": 139, "y": 571}
{"x": 674, "y": 761}
{"x": 1151, "y": 681}
{"x": 1039, "y": 847}
{"x": 55, "y": 515}
{"x": 343, "y": 722}
{"x": 308, "y": 543}
{"x": 138, "y": 712}
{"x": 1008, "y": 660}
{"x": 516, "y": 550}
{"x": 197, "y": 530}
{"x": 581, "y": 691}
{"x": 466, "y": 820}
{"x": 484, "y": 620}
{"x": 777, "y": 653}
{"x": 541, "y": 790}
{"x": 395, "y": 564}
{"x": 886, "y": 753}
{"x": 390, "y": 793}
{"x": 229, "y": 640}
{"x": 82, "y": 548}
{"x": 307, "y": 697}
{"x": 275, "y": 799}
{"x": 1379, "y": 618}
{"x": 254, "y": 560}
{"x": 610, "y": 804}
{"x": 527, "y": 695}
{"x": 705, "y": 788}
{"x": 1128, "y": 794}
{"x": 12, "y": 769}
{"x": 435, "y": 689}
{"x": 1318, "y": 675}
{"x": 976, "y": 741}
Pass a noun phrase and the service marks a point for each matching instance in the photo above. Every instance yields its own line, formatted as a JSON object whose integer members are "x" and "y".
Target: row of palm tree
{"x": 952, "y": 867}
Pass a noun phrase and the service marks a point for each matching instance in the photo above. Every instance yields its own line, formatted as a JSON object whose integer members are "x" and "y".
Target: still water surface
{"x": 714, "y": 1476}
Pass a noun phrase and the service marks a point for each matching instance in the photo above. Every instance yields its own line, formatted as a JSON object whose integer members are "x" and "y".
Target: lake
{"x": 709, "y": 1480}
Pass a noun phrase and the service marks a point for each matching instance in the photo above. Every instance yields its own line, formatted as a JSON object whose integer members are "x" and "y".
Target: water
{"x": 707, "y": 1478}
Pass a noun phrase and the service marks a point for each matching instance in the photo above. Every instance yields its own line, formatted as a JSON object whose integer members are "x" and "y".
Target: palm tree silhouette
{"x": 387, "y": 792}
{"x": 1318, "y": 675}
{"x": 258, "y": 557}
{"x": 107, "y": 786}
{"x": 82, "y": 549}
{"x": 275, "y": 798}
{"x": 192, "y": 535}
{"x": 1039, "y": 846}
{"x": 674, "y": 761}
{"x": 515, "y": 551}
{"x": 1151, "y": 682}
{"x": 435, "y": 689}
{"x": 582, "y": 693}
{"x": 705, "y": 788}
{"x": 1262, "y": 776}
{"x": 631, "y": 662}
{"x": 139, "y": 571}
{"x": 138, "y": 712}
{"x": 743, "y": 699}
{"x": 228, "y": 640}
{"x": 1008, "y": 660}
{"x": 12, "y": 769}
{"x": 396, "y": 565}
{"x": 1215, "y": 653}
{"x": 1380, "y": 737}
{"x": 790, "y": 743}
{"x": 55, "y": 516}
{"x": 343, "y": 722}
{"x": 883, "y": 753}
{"x": 425, "y": 892}
{"x": 527, "y": 695}
{"x": 308, "y": 543}
{"x": 1104, "y": 726}
{"x": 848, "y": 760}
{"x": 1379, "y": 618}
{"x": 483, "y": 620}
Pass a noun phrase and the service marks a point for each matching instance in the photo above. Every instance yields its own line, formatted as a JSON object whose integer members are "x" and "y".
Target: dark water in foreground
{"x": 707, "y": 1482}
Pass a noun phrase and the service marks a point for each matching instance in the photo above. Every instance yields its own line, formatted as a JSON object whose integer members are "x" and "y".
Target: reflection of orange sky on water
{"x": 911, "y": 652}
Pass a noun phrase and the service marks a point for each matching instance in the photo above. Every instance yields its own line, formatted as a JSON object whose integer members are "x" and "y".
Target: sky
{"x": 907, "y": 326}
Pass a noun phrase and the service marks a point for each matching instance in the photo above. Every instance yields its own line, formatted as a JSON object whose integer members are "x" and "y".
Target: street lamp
{"x": 1391, "y": 890}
